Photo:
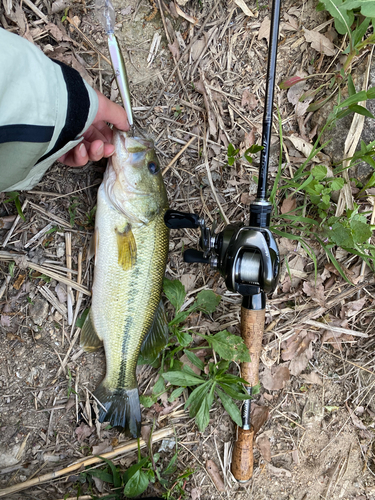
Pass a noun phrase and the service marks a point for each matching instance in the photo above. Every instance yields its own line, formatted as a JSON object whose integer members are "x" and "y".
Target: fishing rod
{"x": 248, "y": 258}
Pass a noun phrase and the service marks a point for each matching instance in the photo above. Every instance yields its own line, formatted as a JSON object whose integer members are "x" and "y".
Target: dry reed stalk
{"x": 119, "y": 450}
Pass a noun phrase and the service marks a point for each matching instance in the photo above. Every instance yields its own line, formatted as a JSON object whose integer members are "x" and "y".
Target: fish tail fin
{"x": 122, "y": 408}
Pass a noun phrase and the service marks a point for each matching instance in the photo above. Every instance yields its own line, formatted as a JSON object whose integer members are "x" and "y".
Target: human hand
{"x": 97, "y": 140}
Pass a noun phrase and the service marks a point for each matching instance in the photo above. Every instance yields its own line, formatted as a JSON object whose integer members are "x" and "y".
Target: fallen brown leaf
{"x": 288, "y": 205}
{"x": 259, "y": 415}
{"x": 214, "y": 473}
{"x": 264, "y": 446}
{"x": 175, "y": 49}
{"x": 84, "y": 431}
{"x": 277, "y": 471}
{"x": 319, "y": 42}
{"x": 315, "y": 290}
{"x": 275, "y": 378}
{"x": 351, "y": 308}
{"x": 248, "y": 100}
{"x": 264, "y": 30}
{"x": 311, "y": 378}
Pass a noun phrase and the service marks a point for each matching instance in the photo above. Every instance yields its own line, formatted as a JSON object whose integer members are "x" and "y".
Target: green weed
{"x": 14, "y": 196}
{"x": 220, "y": 350}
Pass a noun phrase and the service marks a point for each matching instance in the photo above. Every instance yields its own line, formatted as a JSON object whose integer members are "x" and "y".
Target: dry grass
{"x": 203, "y": 92}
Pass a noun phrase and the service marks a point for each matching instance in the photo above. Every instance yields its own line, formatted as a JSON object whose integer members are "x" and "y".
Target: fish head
{"x": 133, "y": 180}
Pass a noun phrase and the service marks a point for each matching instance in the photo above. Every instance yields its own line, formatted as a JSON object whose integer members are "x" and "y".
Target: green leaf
{"x": 184, "y": 339}
{"x": 203, "y": 416}
{"x": 115, "y": 473}
{"x": 175, "y": 292}
{"x": 182, "y": 379}
{"x": 136, "y": 485}
{"x": 336, "y": 183}
{"x": 159, "y": 386}
{"x": 147, "y": 401}
{"x": 228, "y": 346}
{"x": 81, "y": 319}
{"x": 341, "y": 235}
{"x": 361, "y": 232}
{"x": 230, "y": 407}
{"x": 206, "y": 301}
{"x": 101, "y": 474}
{"x": 233, "y": 393}
{"x": 194, "y": 359}
{"x": 360, "y": 110}
{"x": 351, "y": 88}
{"x": 354, "y": 99}
{"x": 176, "y": 394}
{"x": 195, "y": 399}
{"x": 14, "y": 196}
{"x": 319, "y": 172}
{"x": 171, "y": 467}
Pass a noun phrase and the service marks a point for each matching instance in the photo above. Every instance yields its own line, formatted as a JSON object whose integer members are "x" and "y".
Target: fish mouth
{"x": 136, "y": 144}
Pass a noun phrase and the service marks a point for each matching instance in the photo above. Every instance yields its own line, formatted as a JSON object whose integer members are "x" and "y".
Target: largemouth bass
{"x": 131, "y": 245}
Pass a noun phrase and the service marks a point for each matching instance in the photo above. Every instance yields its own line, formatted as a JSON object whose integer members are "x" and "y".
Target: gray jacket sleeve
{"x": 45, "y": 107}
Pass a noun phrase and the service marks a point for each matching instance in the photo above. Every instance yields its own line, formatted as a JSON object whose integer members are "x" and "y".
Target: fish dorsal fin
{"x": 156, "y": 339}
{"x": 90, "y": 340}
{"x": 127, "y": 248}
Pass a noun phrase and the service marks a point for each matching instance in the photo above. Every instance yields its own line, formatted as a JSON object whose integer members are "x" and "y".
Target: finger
{"x": 111, "y": 113}
{"x": 77, "y": 157}
{"x": 98, "y": 132}
{"x": 96, "y": 150}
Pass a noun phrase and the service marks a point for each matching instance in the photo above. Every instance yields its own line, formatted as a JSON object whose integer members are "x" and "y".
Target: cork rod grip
{"x": 242, "y": 456}
{"x": 252, "y": 327}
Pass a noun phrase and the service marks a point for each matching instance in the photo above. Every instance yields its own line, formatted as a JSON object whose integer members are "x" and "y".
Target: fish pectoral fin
{"x": 90, "y": 340}
{"x": 156, "y": 339}
{"x": 127, "y": 248}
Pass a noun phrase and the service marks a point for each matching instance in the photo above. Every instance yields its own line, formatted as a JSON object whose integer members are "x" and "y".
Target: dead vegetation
{"x": 197, "y": 73}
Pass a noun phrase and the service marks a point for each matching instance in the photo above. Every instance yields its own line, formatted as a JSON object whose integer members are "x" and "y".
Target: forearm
{"x": 45, "y": 109}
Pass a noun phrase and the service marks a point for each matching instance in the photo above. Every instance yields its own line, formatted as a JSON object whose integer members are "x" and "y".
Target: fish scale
{"x": 126, "y": 296}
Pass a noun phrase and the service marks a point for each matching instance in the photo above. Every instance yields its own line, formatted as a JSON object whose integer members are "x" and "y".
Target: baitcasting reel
{"x": 246, "y": 256}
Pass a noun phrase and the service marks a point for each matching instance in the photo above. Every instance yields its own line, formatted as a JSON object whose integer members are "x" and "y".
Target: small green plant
{"x": 11, "y": 267}
{"x": 90, "y": 217}
{"x": 233, "y": 153}
{"x": 73, "y": 210}
{"x": 135, "y": 480}
{"x": 214, "y": 380}
{"x": 14, "y": 196}
{"x": 346, "y": 14}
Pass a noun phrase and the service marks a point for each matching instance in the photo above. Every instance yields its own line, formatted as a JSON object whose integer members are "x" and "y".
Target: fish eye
{"x": 153, "y": 167}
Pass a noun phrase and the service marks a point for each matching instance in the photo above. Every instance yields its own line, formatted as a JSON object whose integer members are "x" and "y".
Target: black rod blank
{"x": 268, "y": 105}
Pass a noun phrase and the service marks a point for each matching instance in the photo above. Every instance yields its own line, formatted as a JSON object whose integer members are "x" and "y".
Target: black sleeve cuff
{"x": 77, "y": 111}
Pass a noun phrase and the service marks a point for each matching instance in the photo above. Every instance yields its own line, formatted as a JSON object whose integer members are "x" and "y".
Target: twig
{"x": 8, "y": 256}
{"x": 336, "y": 329}
{"x": 347, "y": 361}
{"x": 69, "y": 293}
{"x": 161, "y": 92}
{"x": 128, "y": 447}
{"x": 210, "y": 178}
{"x": 36, "y": 11}
{"x": 8, "y": 236}
{"x": 88, "y": 41}
{"x": 177, "y": 156}
{"x": 39, "y": 234}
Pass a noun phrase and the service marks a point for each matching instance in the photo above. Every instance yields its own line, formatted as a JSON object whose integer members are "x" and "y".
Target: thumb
{"x": 111, "y": 112}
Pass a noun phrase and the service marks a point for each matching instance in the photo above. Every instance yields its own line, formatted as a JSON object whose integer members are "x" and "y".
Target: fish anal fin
{"x": 90, "y": 340}
{"x": 122, "y": 408}
{"x": 127, "y": 248}
{"x": 156, "y": 339}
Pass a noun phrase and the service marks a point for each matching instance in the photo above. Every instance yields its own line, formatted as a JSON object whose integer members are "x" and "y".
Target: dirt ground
{"x": 318, "y": 386}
